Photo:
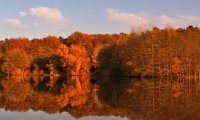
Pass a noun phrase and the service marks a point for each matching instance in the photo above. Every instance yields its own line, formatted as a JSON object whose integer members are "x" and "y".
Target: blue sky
{"x": 39, "y": 18}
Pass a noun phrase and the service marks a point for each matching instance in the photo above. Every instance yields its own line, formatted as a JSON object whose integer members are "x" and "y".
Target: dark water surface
{"x": 51, "y": 98}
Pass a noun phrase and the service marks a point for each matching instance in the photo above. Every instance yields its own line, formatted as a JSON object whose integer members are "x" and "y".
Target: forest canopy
{"x": 157, "y": 52}
{"x": 74, "y": 55}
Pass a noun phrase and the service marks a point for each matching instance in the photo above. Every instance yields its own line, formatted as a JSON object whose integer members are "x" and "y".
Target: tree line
{"x": 74, "y": 55}
{"x": 157, "y": 52}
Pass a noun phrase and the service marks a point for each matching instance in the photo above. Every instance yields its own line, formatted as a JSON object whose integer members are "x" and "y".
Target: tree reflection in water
{"x": 152, "y": 99}
{"x": 75, "y": 95}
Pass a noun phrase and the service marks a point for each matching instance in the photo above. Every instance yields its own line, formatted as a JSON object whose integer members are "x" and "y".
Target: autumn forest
{"x": 103, "y": 74}
{"x": 158, "y": 52}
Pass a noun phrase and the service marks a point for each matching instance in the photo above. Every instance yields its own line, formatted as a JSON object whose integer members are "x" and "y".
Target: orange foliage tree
{"x": 75, "y": 59}
{"x": 16, "y": 62}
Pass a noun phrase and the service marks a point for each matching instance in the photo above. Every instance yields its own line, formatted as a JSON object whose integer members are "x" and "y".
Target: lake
{"x": 85, "y": 98}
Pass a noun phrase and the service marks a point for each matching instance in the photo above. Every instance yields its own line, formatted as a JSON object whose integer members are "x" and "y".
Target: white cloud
{"x": 144, "y": 19}
{"x": 123, "y": 17}
{"x": 51, "y": 15}
{"x": 15, "y": 23}
{"x": 22, "y": 13}
{"x": 179, "y": 21}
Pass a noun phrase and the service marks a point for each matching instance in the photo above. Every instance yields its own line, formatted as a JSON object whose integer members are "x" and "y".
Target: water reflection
{"x": 154, "y": 99}
{"x": 74, "y": 95}
{"x": 77, "y": 97}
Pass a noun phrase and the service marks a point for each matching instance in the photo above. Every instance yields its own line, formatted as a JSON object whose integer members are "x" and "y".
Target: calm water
{"x": 105, "y": 98}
